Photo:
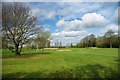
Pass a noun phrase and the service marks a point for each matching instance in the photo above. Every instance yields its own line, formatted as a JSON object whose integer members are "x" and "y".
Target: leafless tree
{"x": 18, "y": 24}
{"x": 109, "y": 37}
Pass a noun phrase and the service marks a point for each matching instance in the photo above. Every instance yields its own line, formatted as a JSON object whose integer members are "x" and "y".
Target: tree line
{"x": 109, "y": 40}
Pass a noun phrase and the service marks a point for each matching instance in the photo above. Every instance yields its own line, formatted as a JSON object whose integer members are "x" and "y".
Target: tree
{"x": 109, "y": 35}
{"x": 110, "y": 39}
{"x": 0, "y": 26}
{"x": 1, "y": 41}
{"x": 88, "y": 41}
{"x": 4, "y": 42}
{"x": 71, "y": 45}
{"x": 100, "y": 42}
{"x": 42, "y": 40}
{"x": 18, "y": 24}
{"x": 92, "y": 40}
{"x": 57, "y": 43}
{"x": 60, "y": 44}
{"x": 115, "y": 41}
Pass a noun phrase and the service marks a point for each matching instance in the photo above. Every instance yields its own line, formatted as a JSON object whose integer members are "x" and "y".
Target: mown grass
{"x": 77, "y": 63}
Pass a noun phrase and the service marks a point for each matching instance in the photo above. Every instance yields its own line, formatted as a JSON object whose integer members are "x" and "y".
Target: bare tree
{"x": 42, "y": 40}
{"x": 92, "y": 40}
{"x": 18, "y": 24}
{"x": 109, "y": 36}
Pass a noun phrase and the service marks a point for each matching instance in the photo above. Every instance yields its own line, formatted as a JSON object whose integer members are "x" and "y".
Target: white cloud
{"x": 73, "y": 10}
{"x": 89, "y": 20}
{"x": 112, "y": 27}
{"x": 70, "y": 10}
{"x": 68, "y": 37}
{"x": 60, "y": 0}
{"x": 73, "y": 25}
{"x": 50, "y": 15}
{"x": 93, "y": 20}
{"x": 35, "y": 11}
{"x": 45, "y": 14}
{"x": 117, "y": 15}
{"x": 56, "y": 30}
{"x": 73, "y": 31}
{"x": 46, "y": 27}
{"x": 69, "y": 33}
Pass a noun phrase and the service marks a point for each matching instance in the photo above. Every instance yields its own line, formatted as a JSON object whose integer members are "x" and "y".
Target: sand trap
{"x": 94, "y": 48}
{"x": 64, "y": 50}
{"x": 50, "y": 48}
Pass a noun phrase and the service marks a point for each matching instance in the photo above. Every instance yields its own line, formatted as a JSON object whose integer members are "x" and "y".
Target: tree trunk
{"x": 91, "y": 44}
{"x": 37, "y": 48}
{"x": 17, "y": 52}
{"x": 110, "y": 45}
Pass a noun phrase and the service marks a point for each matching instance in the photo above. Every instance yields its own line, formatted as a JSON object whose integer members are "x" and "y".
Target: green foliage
{"x": 88, "y": 41}
{"x": 109, "y": 40}
{"x": 100, "y": 42}
{"x": 42, "y": 40}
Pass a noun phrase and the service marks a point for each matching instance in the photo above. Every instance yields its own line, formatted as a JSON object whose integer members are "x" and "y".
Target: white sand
{"x": 50, "y": 48}
{"x": 64, "y": 50}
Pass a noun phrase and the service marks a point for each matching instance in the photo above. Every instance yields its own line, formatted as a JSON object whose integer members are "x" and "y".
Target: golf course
{"x": 59, "y": 40}
{"x": 61, "y": 63}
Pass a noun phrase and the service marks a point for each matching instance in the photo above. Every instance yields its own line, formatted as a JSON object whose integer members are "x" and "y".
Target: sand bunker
{"x": 94, "y": 47}
{"x": 50, "y": 48}
{"x": 64, "y": 50}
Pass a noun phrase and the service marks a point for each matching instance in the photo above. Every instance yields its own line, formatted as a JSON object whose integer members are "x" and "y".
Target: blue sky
{"x": 70, "y": 21}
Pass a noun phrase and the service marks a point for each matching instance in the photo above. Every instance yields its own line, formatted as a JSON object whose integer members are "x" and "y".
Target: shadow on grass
{"x": 23, "y": 75}
{"x": 88, "y": 71}
{"x": 25, "y": 55}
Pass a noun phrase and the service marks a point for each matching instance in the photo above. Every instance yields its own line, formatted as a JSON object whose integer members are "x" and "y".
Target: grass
{"x": 77, "y": 63}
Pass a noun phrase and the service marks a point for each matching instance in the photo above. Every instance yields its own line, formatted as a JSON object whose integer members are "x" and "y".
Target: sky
{"x": 69, "y": 22}
{"x": 60, "y": 0}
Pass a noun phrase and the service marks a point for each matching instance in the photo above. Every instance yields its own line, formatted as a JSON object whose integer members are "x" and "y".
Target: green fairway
{"x": 67, "y": 62}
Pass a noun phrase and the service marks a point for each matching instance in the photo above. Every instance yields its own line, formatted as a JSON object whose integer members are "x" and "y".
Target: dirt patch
{"x": 64, "y": 50}
{"x": 50, "y": 48}
{"x": 94, "y": 48}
